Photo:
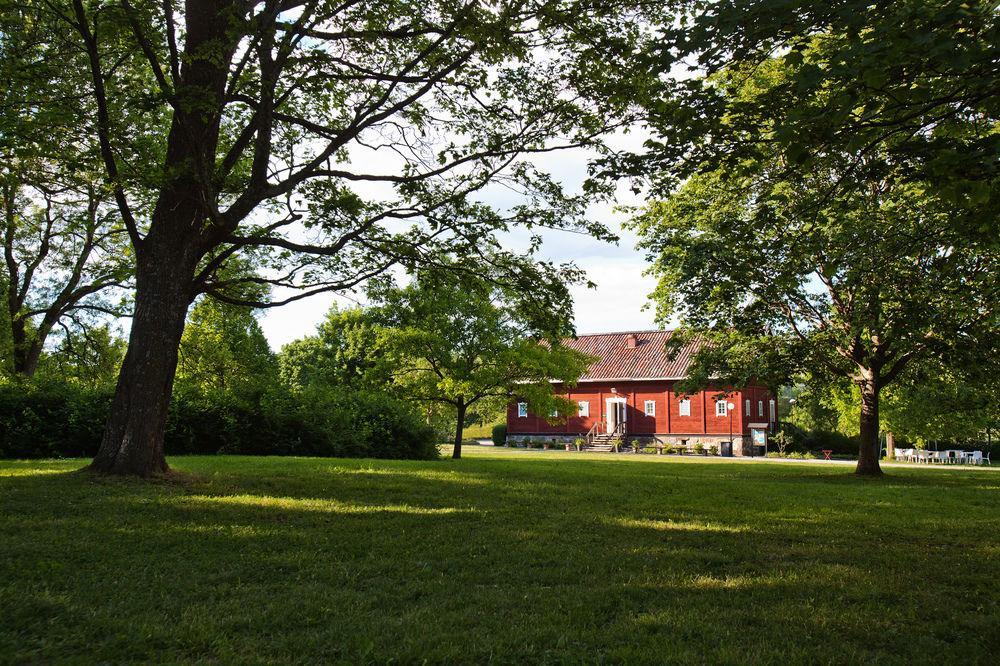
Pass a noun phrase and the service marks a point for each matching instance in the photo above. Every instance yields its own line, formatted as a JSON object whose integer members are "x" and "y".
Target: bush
{"x": 713, "y": 450}
{"x": 57, "y": 419}
{"x": 798, "y": 440}
{"x": 51, "y": 419}
{"x": 699, "y": 448}
{"x": 500, "y": 435}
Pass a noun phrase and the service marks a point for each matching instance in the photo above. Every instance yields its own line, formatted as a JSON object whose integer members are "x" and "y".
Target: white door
{"x": 615, "y": 413}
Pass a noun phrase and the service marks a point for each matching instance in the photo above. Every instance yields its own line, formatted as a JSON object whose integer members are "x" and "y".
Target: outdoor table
{"x": 826, "y": 454}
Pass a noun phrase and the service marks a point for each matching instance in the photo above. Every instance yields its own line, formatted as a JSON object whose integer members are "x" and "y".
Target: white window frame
{"x": 720, "y": 408}
{"x": 684, "y": 407}
{"x": 522, "y": 410}
{"x": 583, "y": 408}
{"x": 748, "y": 408}
{"x": 649, "y": 408}
{"x": 553, "y": 413}
{"x": 771, "y": 407}
{"x": 760, "y": 409}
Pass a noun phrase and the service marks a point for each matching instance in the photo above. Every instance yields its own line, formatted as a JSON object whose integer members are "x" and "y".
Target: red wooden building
{"x": 629, "y": 393}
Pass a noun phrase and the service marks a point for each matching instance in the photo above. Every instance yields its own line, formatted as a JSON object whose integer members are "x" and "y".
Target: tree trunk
{"x": 869, "y": 449}
{"x": 459, "y": 430}
{"x": 890, "y": 445}
{"x": 133, "y": 437}
{"x": 20, "y": 347}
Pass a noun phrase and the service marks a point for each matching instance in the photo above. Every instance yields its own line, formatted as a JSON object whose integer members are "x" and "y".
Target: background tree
{"x": 224, "y": 348}
{"x": 861, "y": 281}
{"x": 472, "y": 342}
{"x": 837, "y": 193}
{"x": 349, "y": 351}
{"x": 90, "y": 356}
{"x": 66, "y": 260}
{"x": 278, "y": 111}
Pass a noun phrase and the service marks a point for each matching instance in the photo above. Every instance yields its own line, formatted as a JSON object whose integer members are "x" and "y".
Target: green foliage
{"x": 462, "y": 341}
{"x": 91, "y": 357}
{"x": 349, "y": 349}
{"x": 817, "y": 260}
{"x": 223, "y": 347}
{"x": 51, "y": 419}
{"x": 61, "y": 419}
{"x": 796, "y": 439}
{"x": 500, "y": 435}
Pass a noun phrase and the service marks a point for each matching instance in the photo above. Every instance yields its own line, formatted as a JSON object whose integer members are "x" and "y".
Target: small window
{"x": 584, "y": 408}
{"x": 771, "y": 406}
{"x": 522, "y": 410}
{"x": 760, "y": 408}
{"x": 685, "y": 407}
{"x": 553, "y": 413}
{"x": 650, "y": 408}
{"x": 720, "y": 408}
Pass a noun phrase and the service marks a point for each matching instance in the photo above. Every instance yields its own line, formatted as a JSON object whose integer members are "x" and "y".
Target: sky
{"x": 616, "y": 304}
{"x": 619, "y": 301}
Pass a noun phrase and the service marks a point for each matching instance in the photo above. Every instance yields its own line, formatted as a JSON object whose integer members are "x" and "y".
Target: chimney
{"x": 630, "y": 341}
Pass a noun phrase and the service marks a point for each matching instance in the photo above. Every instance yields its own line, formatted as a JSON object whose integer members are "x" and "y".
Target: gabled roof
{"x": 648, "y": 359}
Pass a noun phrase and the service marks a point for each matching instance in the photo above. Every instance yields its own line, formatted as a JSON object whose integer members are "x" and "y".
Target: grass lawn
{"x": 505, "y": 555}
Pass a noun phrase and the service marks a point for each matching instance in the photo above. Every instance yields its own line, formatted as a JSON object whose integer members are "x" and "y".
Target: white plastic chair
{"x": 974, "y": 457}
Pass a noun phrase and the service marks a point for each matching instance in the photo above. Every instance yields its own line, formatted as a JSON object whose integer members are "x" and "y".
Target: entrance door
{"x": 616, "y": 414}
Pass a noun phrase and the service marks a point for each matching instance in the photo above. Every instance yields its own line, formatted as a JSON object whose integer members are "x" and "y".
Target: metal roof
{"x": 648, "y": 359}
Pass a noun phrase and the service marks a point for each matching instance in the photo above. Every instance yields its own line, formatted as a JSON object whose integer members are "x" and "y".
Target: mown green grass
{"x": 505, "y": 556}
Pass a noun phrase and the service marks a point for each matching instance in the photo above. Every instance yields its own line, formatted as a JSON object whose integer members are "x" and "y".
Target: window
{"x": 650, "y": 408}
{"x": 747, "y": 410}
{"x": 760, "y": 408}
{"x": 720, "y": 407}
{"x": 771, "y": 406}
{"x": 584, "y": 408}
{"x": 553, "y": 413}
{"x": 522, "y": 410}
{"x": 685, "y": 407}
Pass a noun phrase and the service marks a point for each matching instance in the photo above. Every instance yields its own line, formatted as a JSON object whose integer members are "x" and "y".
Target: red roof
{"x": 647, "y": 359}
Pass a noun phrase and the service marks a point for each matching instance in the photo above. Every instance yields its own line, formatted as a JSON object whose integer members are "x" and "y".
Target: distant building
{"x": 628, "y": 393}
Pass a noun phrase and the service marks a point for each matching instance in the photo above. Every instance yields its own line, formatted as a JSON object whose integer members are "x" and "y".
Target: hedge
{"x": 55, "y": 419}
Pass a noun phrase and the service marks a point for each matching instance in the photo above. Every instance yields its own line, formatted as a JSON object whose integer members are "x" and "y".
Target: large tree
{"x": 855, "y": 284}
{"x": 839, "y": 170}
{"x": 329, "y": 140}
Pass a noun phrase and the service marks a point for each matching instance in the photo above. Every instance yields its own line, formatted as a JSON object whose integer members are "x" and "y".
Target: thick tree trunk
{"x": 21, "y": 348}
{"x": 459, "y": 431}
{"x": 868, "y": 453}
{"x": 890, "y": 445}
{"x": 133, "y": 437}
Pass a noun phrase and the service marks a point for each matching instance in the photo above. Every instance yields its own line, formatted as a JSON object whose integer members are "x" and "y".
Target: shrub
{"x": 58, "y": 419}
{"x": 579, "y": 442}
{"x": 50, "y": 419}
{"x": 699, "y": 448}
{"x": 713, "y": 450}
{"x": 500, "y": 435}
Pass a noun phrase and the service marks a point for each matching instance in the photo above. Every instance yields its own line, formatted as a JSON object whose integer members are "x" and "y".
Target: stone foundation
{"x": 689, "y": 442}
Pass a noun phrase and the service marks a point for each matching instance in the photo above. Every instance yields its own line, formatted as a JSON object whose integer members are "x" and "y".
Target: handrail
{"x": 592, "y": 433}
{"x": 619, "y": 432}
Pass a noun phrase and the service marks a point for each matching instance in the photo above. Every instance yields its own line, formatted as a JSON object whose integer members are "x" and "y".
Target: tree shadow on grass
{"x": 562, "y": 561}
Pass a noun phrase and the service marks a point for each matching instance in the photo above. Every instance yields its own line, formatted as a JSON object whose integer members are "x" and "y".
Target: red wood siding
{"x": 667, "y": 420}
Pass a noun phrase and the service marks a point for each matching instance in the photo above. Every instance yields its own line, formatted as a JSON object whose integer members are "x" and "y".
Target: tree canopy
{"x": 323, "y": 143}
{"x": 855, "y": 282}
